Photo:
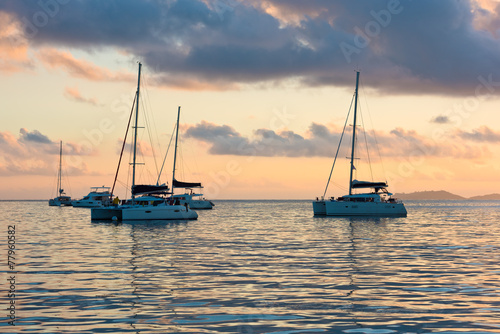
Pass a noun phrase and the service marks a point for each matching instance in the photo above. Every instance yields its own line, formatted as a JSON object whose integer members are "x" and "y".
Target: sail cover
{"x": 149, "y": 189}
{"x": 180, "y": 184}
{"x": 367, "y": 184}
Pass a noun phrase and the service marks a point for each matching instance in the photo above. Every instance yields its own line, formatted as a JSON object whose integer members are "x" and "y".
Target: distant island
{"x": 442, "y": 195}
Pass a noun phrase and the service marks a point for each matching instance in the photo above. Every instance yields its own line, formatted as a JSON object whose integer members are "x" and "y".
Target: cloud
{"x": 441, "y": 120}
{"x": 79, "y": 68}
{"x": 144, "y": 149}
{"x": 483, "y": 134}
{"x": 320, "y": 141}
{"x": 34, "y": 136}
{"x": 33, "y": 153}
{"x": 409, "y": 47}
{"x": 74, "y": 94}
{"x": 13, "y": 49}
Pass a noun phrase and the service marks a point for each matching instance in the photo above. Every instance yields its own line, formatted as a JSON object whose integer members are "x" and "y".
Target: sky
{"x": 264, "y": 89}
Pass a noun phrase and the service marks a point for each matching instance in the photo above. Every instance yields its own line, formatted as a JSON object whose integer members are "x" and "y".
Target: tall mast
{"x": 135, "y": 128}
{"x": 59, "y": 179}
{"x": 354, "y": 132}
{"x": 175, "y": 151}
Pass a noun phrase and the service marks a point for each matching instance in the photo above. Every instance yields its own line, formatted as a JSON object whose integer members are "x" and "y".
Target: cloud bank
{"x": 33, "y": 153}
{"x": 320, "y": 141}
{"x": 410, "y": 47}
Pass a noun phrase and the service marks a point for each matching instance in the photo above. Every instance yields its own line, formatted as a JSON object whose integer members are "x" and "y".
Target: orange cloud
{"x": 13, "y": 47}
{"x": 74, "y": 94}
{"x": 191, "y": 84}
{"x": 53, "y": 58}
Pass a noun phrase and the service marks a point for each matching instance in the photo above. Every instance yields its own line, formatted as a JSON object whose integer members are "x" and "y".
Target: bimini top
{"x": 149, "y": 189}
{"x": 180, "y": 184}
{"x": 367, "y": 184}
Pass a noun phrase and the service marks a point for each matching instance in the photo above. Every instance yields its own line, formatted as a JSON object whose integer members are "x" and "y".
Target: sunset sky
{"x": 264, "y": 89}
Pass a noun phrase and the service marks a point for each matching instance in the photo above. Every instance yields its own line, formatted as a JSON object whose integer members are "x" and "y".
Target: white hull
{"x": 319, "y": 208}
{"x": 86, "y": 204}
{"x": 106, "y": 213}
{"x": 373, "y": 209}
{"x": 159, "y": 212}
{"x": 198, "y": 204}
{"x": 144, "y": 212}
{"x": 60, "y": 202}
{"x": 201, "y": 205}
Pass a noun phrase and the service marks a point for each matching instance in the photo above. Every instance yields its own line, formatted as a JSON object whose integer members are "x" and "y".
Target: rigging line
{"x": 153, "y": 126}
{"x": 374, "y": 134}
{"x": 366, "y": 143}
{"x": 149, "y": 130}
{"x": 165, "y": 157}
{"x": 338, "y": 148}
{"x": 67, "y": 182}
{"x": 123, "y": 145}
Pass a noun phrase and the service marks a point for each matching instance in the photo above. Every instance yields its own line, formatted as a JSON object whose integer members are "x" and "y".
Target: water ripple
{"x": 259, "y": 267}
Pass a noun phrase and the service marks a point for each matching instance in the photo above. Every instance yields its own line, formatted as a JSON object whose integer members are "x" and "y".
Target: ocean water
{"x": 254, "y": 267}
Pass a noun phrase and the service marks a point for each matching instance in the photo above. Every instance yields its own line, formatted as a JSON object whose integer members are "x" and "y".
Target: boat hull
{"x": 319, "y": 208}
{"x": 372, "y": 209}
{"x": 200, "y": 204}
{"x": 106, "y": 213}
{"x": 197, "y": 204}
{"x": 60, "y": 201}
{"x": 158, "y": 212}
{"x": 86, "y": 204}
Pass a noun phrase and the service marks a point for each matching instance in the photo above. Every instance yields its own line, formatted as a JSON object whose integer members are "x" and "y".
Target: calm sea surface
{"x": 255, "y": 267}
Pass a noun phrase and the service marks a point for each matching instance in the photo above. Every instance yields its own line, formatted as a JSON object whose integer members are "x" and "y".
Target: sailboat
{"x": 60, "y": 200}
{"x": 376, "y": 203}
{"x": 194, "y": 200}
{"x": 143, "y": 208}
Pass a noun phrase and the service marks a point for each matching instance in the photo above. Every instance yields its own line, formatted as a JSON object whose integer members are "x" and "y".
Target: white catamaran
{"x": 377, "y": 203}
{"x": 62, "y": 199}
{"x": 194, "y": 200}
{"x": 140, "y": 209}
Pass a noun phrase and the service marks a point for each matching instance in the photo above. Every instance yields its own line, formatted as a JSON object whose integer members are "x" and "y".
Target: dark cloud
{"x": 320, "y": 141}
{"x": 483, "y": 134}
{"x": 405, "y": 46}
{"x": 224, "y": 140}
{"x": 441, "y": 120}
{"x": 34, "y": 136}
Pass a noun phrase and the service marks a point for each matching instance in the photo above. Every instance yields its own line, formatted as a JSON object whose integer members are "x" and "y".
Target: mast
{"x": 175, "y": 151}
{"x": 135, "y": 129}
{"x": 354, "y": 132}
{"x": 59, "y": 179}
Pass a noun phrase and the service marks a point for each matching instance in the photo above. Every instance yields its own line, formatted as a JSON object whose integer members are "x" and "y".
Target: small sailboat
{"x": 143, "y": 208}
{"x": 62, "y": 199}
{"x": 376, "y": 203}
{"x": 194, "y": 200}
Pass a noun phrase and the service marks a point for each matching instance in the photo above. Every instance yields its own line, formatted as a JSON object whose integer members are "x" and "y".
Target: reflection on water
{"x": 260, "y": 267}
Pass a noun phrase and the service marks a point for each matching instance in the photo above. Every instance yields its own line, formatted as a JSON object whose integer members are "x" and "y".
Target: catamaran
{"x": 376, "y": 203}
{"x": 138, "y": 208}
{"x": 194, "y": 200}
{"x": 62, "y": 199}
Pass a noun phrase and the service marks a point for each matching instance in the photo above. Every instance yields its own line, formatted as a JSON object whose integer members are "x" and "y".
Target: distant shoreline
{"x": 443, "y": 195}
